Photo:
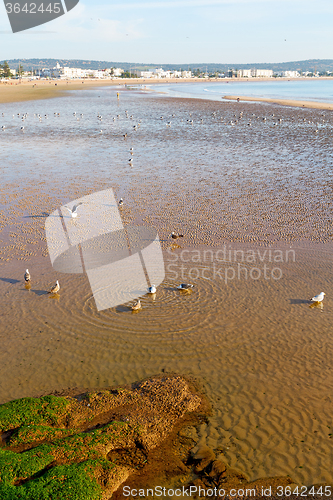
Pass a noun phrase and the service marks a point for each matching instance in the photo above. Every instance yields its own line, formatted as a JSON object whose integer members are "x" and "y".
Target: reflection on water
{"x": 247, "y": 329}
{"x": 308, "y": 90}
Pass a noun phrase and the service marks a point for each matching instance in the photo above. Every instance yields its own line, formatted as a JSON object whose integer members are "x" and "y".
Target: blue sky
{"x": 184, "y": 31}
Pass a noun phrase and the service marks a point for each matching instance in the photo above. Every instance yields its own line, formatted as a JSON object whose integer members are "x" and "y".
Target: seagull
{"x": 73, "y": 211}
{"x": 55, "y": 288}
{"x": 22, "y": 128}
{"x": 318, "y": 298}
{"x": 130, "y": 160}
{"x": 175, "y": 236}
{"x": 27, "y": 276}
{"x": 120, "y": 202}
{"x": 185, "y": 286}
{"x": 136, "y": 306}
{"x": 152, "y": 289}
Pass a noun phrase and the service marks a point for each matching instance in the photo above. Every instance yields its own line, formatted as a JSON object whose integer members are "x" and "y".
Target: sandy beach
{"x": 260, "y": 348}
{"x": 18, "y": 91}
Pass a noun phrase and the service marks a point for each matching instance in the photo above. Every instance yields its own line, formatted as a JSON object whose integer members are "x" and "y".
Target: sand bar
{"x": 282, "y": 102}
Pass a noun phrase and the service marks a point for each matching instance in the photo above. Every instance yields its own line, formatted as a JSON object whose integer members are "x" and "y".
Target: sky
{"x": 180, "y": 32}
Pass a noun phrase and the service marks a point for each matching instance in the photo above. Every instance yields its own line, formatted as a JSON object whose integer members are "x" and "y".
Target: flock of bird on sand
{"x": 317, "y": 299}
{"x": 186, "y": 287}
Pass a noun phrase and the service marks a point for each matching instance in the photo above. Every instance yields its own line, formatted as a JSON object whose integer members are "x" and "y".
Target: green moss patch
{"x": 48, "y": 410}
{"x": 64, "y": 482}
{"x": 59, "y": 448}
{"x": 32, "y": 433}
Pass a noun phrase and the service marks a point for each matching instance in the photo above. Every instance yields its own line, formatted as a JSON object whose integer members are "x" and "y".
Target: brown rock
{"x": 204, "y": 455}
{"x": 218, "y": 467}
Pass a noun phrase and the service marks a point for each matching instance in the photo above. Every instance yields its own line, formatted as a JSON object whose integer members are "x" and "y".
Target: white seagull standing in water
{"x": 120, "y": 202}
{"x": 55, "y": 288}
{"x": 27, "y": 276}
{"x": 152, "y": 289}
{"x": 73, "y": 211}
{"x": 318, "y": 298}
{"x": 136, "y": 306}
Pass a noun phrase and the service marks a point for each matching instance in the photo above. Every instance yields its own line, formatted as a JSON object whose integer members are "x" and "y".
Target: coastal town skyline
{"x": 173, "y": 32}
{"x": 51, "y": 68}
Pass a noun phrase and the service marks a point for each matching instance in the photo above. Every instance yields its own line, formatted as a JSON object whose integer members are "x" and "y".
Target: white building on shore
{"x": 67, "y": 73}
{"x": 145, "y": 74}
{"x": 290, "y": 74}
{"x": 263, "y": 73}
{"x": 255, "y": 73}
{"x": 160, "y": 73}
{"x": 244, "y": 73}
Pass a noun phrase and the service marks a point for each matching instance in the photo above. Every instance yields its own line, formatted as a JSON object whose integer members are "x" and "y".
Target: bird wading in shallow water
{"x": 185, "y": 286}
{"x": 121, "y": 202}
{"x": 136, "y": 306}
{"x": 55, "y": 288}
{"x": 318, "y": 298}
{"x": 174, "y": 235}
{"x": 27, "y": 276}
{"x": 152, "y": 289}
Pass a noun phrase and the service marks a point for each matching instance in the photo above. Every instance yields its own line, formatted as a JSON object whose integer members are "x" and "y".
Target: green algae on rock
{"x": 59, "y": 447}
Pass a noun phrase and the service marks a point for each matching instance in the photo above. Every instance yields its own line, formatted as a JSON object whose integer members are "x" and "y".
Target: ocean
{"x": 315, "y": 89}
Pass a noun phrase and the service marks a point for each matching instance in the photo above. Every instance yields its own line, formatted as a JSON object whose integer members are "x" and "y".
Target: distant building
{"x": 117, "y": 71}
{"x": 64, "y": 72}
{"x": 160, "y": 73}
{"x": 244, "y": 73}
{"x": 146, "y": 74}
{"x": 251, "y": 73}
{"x": 290, "y": 74}
{"x": 262, "y": 73}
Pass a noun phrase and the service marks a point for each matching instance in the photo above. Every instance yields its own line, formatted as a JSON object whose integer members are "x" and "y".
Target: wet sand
{"x": 261, "y": 351}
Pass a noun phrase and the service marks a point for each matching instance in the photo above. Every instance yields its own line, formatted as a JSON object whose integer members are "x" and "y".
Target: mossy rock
{"x": 63, "y": 482}
{"x": 59, "y": 448}
{"x": 48, "y": 410}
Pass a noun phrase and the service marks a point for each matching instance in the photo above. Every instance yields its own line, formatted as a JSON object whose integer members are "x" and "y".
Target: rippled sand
{"x": 261, "y": 351}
